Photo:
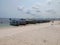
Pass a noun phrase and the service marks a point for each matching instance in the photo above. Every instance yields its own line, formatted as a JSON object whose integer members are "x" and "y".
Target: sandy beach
{"x": 32, "y": 34}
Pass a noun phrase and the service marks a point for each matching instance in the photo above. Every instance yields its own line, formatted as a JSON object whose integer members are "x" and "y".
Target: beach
{"x": 32, "y": 34}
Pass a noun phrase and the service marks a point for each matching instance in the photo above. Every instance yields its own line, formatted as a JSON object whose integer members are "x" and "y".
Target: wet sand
{"x": 34, "y": 34}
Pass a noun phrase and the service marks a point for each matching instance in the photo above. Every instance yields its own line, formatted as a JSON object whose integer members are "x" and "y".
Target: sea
{"x": 4, "y": 22}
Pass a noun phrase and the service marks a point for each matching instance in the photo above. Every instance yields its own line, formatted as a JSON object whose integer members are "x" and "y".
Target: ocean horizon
{"x": 4, "y": 22}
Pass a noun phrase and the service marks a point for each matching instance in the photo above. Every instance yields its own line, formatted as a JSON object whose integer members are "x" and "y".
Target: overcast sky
{"x": 30, "y": 8}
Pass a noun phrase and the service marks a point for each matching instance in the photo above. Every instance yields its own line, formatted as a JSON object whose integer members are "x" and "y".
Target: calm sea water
{"x": 4, "y": 25}
{"x": 4, "y": 22}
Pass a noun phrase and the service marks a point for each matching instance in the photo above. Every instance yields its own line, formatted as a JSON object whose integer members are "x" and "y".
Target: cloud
{"x": 20, "y": 8}
{"x": 46, "y": 9}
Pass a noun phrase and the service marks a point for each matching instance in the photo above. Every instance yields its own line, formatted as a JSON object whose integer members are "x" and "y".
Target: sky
{"x": 29, "y": 8}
